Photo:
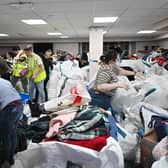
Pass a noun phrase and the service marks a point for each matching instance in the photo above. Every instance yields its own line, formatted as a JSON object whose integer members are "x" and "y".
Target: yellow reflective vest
{"x": 33, "y": 68}
{"x": 19, "y": 66}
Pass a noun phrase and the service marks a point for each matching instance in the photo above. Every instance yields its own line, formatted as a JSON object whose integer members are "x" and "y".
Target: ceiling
{"x": 73, "y": 17}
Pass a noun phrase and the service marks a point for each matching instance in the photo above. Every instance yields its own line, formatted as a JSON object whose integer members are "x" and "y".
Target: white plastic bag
{"x": 70, "y": 69}
{"x": 162, "y": 163}
{"x": 160, "y": 96}
{"x": 125, "y": 98}
{"x": 136, "y": 65}
{"x": 74, "y": 95}
{"x": 53, "y": 84}
{"x": 131, "y": 124}
{"x": 56, "y": 155}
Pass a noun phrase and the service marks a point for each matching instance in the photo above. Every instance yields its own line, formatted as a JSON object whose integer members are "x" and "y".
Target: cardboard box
{"x": 147, "y": 144}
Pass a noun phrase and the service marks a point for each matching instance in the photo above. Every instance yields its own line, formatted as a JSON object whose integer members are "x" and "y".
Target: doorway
{"x": 40, "y": 48}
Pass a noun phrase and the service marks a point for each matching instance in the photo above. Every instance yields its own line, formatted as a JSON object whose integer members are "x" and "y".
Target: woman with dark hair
{"x": 106, "y": 81}
{"x": 84, "y": 60}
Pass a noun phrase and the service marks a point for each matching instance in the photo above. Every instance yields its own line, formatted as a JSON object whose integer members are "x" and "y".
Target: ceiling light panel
{"x": 54, "y": 34}
{"x": 146, "y": 32}
{"x": 34, "y": 21}
{"x": 105, "y": 19}
{"x": 3, "y": 35}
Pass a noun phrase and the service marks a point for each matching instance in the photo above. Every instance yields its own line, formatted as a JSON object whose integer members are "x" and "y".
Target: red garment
{"x": 160, "y": 60}
{"x": 96, "y": 143}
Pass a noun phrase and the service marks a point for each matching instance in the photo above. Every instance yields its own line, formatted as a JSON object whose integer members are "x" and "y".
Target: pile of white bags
{"x": 62, "y": 72}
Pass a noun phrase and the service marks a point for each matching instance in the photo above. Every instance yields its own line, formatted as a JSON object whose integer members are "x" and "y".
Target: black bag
{"x": 35, "y": 110}
{"x": 158, "y": 123}
{"x": 21, "y": 140}
{"x": 21, "y": 137}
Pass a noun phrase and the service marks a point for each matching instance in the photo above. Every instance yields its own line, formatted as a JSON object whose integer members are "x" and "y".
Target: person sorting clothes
{"x": 11, "y": 109}
{"x": 106, "y": 81}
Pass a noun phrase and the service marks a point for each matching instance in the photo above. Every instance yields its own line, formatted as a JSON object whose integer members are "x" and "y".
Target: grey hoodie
{"x": 8, "y": 93}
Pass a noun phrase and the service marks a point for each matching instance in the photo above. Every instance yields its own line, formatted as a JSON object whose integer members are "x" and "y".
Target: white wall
{"x": 163, "y": 43}
{"x": 140, "y": 45}
{"x": 69, "y": 47}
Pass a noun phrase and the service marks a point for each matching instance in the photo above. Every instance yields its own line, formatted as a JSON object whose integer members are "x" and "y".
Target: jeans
{"x": 9, "y": 118}
{"x": 24, "y": 82}
{"x": 100, "y": 100}
{"x": 40, "y": 88}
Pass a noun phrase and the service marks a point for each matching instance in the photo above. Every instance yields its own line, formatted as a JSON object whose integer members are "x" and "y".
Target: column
{"x": 95, "y": 49}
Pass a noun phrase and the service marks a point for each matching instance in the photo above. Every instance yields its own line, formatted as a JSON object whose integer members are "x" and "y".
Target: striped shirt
{"x": 107, "y": 74}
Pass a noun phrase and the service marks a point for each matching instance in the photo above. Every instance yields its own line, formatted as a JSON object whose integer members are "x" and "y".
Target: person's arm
{"x": 17, "y": 58}
{"x": 124, "y": 72}
{"x": 110, "y": 86}
{"x": 41, "y": 69}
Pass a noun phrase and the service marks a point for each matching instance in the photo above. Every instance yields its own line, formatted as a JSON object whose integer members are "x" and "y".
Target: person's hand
{"x": 124, "y": 86}
{"x": 21, "y": 52}
{"x": 140, "y": 75}
{"x": 34, "y": 77}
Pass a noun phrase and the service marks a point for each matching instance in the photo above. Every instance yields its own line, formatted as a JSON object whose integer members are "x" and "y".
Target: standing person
{"x": 10, "y": 111}
{"x": 106, "y": 81}
{"x": 48, "y": 64}
{"x": 36, "y": 74}
{"x": 20, "y": 63}
{"x": 84, "y": 60}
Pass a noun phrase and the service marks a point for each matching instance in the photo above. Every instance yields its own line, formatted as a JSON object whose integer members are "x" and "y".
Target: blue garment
{"x": 9, "y": 118}
{"x": 8, "y": 93}
{"x": 40, "y": 88}
{"x": 114, "y": 129}
{"x": 100, "y": 100}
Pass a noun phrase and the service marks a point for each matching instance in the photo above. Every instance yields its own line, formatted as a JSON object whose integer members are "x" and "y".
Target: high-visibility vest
{"x": 19, "y": 66}
{"x": 33, "y": 68}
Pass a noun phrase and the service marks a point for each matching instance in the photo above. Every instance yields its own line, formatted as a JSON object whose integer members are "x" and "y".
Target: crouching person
{"x": 10, "y": 111}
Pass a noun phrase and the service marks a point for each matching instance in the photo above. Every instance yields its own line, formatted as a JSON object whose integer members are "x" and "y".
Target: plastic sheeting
{"x": 125, "y": 98}
{"x": 56, "y": 155}
{"x": 162, "y": 163}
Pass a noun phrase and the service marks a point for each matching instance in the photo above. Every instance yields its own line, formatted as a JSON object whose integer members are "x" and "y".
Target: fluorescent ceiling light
{"x": 64, "y": 37}
{"x": 54, "y": 34}
{"x": 34, "y": 21}
{"x": 104, "y": 32}
{"x": 3, "y": 35}
{"x": 146, "y": 31}
{"x": 105, "y": 19}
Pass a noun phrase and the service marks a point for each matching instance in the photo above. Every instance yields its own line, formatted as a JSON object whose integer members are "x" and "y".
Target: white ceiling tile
{"x": 148, "y": 3}
{"x": 165, "y": 6}
{"x": 73, "y": 17}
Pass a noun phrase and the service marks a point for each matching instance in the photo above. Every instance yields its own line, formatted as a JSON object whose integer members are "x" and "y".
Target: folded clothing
{"x": 37, "y": 130}
{"x": 96, "y": 143}
{"x": 58, "y": 122}
{"x": 87, "y": 124}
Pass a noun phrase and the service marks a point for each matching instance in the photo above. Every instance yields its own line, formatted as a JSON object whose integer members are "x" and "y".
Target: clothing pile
{"x": 86, "y": 124}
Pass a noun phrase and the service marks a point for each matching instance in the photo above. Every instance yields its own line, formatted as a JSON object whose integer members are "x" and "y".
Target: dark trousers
{"x": 24, "y": 82}
{"x": 9, "y": 118}
{"x": 45, "y": 88}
